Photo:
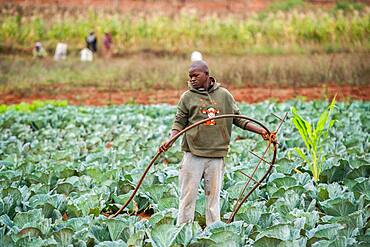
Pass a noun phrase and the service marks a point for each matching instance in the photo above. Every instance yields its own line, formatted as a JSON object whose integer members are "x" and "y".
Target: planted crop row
{"x": 60, "y": 167}
{"x": 275, "y": 33}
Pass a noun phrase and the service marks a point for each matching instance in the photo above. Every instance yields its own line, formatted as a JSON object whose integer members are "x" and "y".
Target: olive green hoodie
{"x": 212, "y": 138}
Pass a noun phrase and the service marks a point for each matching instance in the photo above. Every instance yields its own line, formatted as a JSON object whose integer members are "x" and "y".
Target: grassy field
{"x": 270, "y": 32}
{"x": 148, "y": 71}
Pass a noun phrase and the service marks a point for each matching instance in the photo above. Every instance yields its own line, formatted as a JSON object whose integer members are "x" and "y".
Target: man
{"x": 91, "y": 42}
{"x": 206, "y": 145}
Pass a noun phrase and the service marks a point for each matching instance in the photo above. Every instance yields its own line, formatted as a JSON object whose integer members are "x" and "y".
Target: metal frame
{"x": 271, "y": 143}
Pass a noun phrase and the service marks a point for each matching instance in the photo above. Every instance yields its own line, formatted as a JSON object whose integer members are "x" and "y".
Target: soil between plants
{"x": 97, "y": 97}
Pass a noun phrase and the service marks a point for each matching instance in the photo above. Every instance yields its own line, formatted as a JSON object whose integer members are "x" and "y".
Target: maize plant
{"x": 313, "y": 138}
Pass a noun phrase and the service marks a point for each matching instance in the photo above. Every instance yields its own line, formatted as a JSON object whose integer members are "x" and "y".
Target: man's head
{"x": 199, "y": 74}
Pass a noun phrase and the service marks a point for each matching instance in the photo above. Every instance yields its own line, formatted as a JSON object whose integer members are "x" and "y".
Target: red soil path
{"x": 241, "y": 7}
{"x": 166, "y": 6}
{"x": 94, "y": 96}
{"x": 169, "y": 7}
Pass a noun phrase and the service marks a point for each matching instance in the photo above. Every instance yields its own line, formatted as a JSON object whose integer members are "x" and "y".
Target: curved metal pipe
{"x": 174, "y": 138}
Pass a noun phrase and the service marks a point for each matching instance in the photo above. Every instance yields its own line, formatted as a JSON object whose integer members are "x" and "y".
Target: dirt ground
{"x": 220, "y": 7}
{"x": 96, "y": 97}
{"x": 167, "y": 6}
{"x": 170, "y": 7}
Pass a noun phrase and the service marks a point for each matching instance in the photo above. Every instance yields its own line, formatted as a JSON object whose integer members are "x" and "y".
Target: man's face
{"x": 198, "y": 78}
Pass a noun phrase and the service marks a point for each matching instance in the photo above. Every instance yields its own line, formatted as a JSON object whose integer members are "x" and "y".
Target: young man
{"x": 205, "y": 146}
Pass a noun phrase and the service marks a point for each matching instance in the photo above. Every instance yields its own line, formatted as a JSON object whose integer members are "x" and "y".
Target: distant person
{"x": 39, "y": 51}
{"x": 196, "y": 56}
{"x": 86, "y": 55}
{"x": 60, "y": 51}
{"x": 107, "y": 42}
{"x": 91, "y": 42}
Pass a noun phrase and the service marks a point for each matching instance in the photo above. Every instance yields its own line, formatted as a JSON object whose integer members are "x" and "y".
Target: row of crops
{"x": 280, "y": 31}
{"x": 62, "y": 166}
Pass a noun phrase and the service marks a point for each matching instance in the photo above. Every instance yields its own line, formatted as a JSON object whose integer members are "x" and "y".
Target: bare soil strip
{"x": 168, "y": 6}
{"x": 96, "y": 97}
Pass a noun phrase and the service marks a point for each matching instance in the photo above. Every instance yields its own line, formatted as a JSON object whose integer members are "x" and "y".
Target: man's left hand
{"x": 269, "y": 137}
{"x": 265, "y": 135}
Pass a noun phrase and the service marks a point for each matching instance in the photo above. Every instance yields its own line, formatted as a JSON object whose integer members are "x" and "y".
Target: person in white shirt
{"x": 86, "y": 55}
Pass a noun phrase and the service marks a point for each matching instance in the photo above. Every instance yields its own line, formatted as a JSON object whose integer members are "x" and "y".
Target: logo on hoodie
{"x": 211, "y": 112}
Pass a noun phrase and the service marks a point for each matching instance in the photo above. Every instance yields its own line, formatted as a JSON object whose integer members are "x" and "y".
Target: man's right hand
{"x": 164, "y": 147}
{"x": 167, "y": 144}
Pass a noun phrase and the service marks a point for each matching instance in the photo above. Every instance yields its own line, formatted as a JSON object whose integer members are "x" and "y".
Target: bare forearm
{"x": 253, "y": 128}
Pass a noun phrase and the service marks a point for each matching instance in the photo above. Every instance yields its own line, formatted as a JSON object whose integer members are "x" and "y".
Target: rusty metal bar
{"x": 281, "y": 119}
{"x": 237, "y": 206}
{"x": 235, "y": 211}
{"x": 249, "y": 177}
{"x": 261, "y": 158}
{"x": 281, "y": 122}
{"x": 239, "y": 202}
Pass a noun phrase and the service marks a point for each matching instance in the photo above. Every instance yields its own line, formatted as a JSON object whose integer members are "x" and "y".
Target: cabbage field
{"x": 63, "y": 168}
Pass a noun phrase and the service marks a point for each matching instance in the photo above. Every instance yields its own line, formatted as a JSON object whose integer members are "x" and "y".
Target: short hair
{"x": 199, "y": 65}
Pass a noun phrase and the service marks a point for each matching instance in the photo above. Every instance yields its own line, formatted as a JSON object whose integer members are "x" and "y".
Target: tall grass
{"x": 275, "y": 32}
{"x": 149, "y": 71}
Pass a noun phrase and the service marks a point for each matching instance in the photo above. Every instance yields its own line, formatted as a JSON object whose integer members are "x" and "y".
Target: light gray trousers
{"x": 192, "y": 169}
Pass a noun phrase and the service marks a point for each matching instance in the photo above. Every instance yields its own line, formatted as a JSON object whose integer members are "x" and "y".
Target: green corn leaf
{"x": 299, "y": 123}
{"x": 322, "y": 122}
{"x": 301, "y": 154}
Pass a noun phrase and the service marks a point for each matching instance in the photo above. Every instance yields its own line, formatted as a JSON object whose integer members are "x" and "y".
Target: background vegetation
{"x": 150, "y": 71}
{"x": 270, "y": 32}
{"x": 290, "y": 43}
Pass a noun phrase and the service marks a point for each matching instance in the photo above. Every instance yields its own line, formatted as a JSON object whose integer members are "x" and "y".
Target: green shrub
{"x": 285, "y": 5}
{"x": 348, "y": 6}
{"x": 36, "y": 104}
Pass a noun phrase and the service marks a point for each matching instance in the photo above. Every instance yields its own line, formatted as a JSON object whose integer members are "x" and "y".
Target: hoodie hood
{"x": 214, "y": 83}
